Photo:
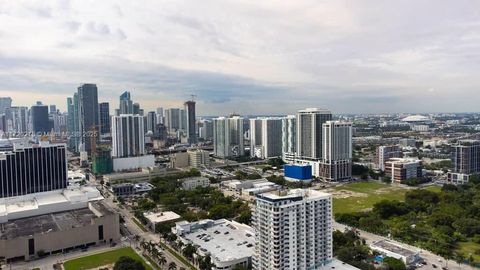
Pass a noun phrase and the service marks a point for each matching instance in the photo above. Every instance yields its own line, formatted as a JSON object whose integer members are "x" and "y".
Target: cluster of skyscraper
{"x": 310, "y": 137}
{"x": 39, "y": 119}
{"x": 90, "y": 123}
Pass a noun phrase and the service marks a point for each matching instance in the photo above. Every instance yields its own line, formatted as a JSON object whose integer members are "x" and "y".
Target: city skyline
{"x": 354, "y": 57}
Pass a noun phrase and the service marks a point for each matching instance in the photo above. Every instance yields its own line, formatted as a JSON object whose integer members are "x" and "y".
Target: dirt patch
{"x": 385, "y": 190}
{"x": 341, "y": 194}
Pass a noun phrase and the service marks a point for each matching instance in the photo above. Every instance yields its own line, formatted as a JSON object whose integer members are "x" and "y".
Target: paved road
{"x": 135, "y": 230}
{"x": 429, "y": 257}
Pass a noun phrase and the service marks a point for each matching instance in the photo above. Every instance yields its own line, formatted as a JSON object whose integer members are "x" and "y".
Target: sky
{"x": 247, "y": 57}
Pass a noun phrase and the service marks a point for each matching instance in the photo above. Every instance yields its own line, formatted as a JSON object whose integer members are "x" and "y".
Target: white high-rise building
{"x": 5, "y": 102}
{"x": 256, "y": 137}
{"x": 205, "y": 129}
{"x": 293, "y": 230}
{"x": 337, "y": 151}
{"x": 228, "y": 137}
{"x": 173, "y": 120}
{"x": 17, "y": 119}
{"x": 160, "y": 115}
{"x": 128, "y": 137}
{"x": 289, "y": 136}
{"x": 151, "y": 121}
{"x": 266, "y": 137}
{"x": 309, "y": 132}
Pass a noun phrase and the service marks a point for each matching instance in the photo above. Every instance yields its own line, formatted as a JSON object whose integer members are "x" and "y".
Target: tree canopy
{"x": 127, "y": 263}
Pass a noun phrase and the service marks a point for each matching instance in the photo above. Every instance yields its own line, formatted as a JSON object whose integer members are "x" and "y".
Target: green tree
{"x": 189, "y": 250}
{"x": 386, "y": 209}
{"x": 205, "y": 263}
{"x": 161, "y": 259}
{"x": 394, "y": 264}
{"x": 127, "y": 263}
{"x": 245, "y": 217}
{"x": 172, "y": 266}
{"x": 276, "y": 162}
{"x": 474, "y": 179}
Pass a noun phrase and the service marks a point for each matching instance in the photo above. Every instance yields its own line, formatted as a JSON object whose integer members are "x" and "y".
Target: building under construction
{"x": 102, "y": 161}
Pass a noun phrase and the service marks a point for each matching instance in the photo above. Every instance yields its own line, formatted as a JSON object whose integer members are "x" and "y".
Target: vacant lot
{"x": 103, "y": 259}
{"x": 361, "y": 196}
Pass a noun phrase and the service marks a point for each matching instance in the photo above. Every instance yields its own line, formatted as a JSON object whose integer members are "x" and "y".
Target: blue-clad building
{"x": 298, "y": 172}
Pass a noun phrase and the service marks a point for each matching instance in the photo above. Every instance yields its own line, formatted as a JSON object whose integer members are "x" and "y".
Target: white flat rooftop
{"x": 47, "y": 202}
{"x": 161, "y": 216}
{"x": 294, "y": 193}
{"x": 225, "y": 241}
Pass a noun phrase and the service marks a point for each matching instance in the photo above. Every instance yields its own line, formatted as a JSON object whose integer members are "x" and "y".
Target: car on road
{"x": 434, "y": 266}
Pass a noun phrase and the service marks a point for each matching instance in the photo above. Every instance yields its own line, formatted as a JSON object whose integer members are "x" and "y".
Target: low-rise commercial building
{"x": 228, "y": 243}
{"x": 401, "y": 169}
{"x": 458, "y": 178}
{"x": 143, "y": 175}
{"x": 198, "y": 158}
{"x": 194, "y": 158}
{"x": 390, "y": 249}
{"x": 154, "y": 218}
{"x": 53, "y": 233}
{"x": 237, "y": 185}
{"x": 194, "y": 182}
{"x": 123, "y": 189}
{"x": 130, "y": 189}
{"x": 76, "y": 178}
{"x": 298, "y": 173}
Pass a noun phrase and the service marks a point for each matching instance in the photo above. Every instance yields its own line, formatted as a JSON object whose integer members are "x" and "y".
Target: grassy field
{"x": 361, "y": 196}
{"x": 102, "y": 259}
{"x": 469, "y": 248}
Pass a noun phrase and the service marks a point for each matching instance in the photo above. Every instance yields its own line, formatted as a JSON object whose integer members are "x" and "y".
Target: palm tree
{"x": 161, "y": 259}
{"x": 180, "y": 245}
{"x": 136, "y": 237}
{"x": 144, "y": 245}
{"x": 154, "y": 252}
{"x": 172, "y": 266}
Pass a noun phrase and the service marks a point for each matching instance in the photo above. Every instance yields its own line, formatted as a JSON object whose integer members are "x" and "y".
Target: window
{"x": 100, "y": 232}
{"x": 31, "y": 246}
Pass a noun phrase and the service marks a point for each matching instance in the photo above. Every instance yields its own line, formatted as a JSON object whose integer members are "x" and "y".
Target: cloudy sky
{"x": 246, "y": 56}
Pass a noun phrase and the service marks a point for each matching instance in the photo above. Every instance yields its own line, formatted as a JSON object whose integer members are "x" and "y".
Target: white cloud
{"x": 323, "y": 53}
